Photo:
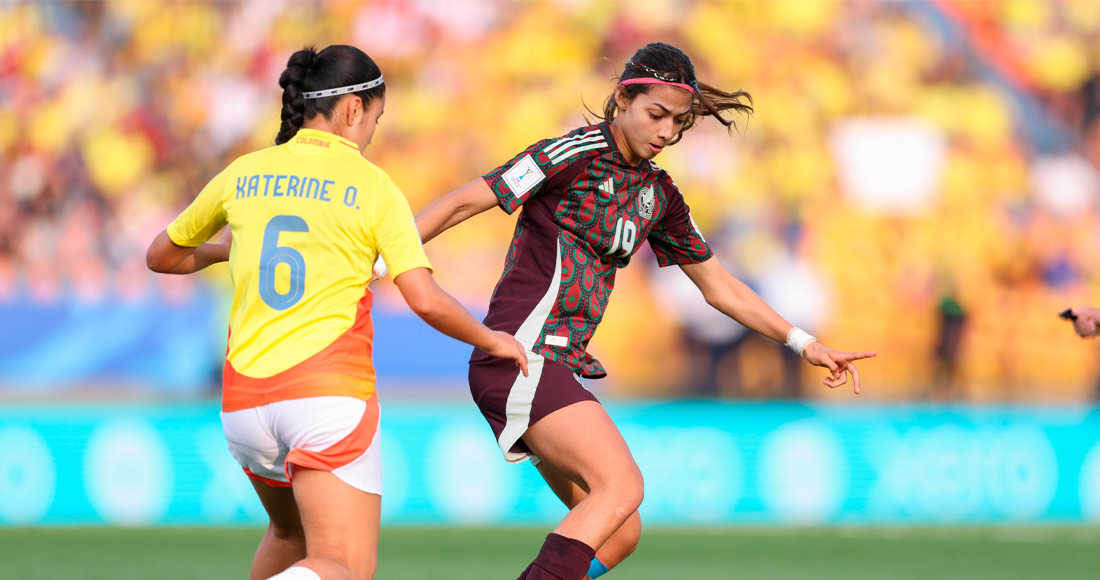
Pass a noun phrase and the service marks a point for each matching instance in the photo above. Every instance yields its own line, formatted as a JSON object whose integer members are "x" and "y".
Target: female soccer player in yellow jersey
{"x": 591, "y": 197}
{"x": 308, "y": 218}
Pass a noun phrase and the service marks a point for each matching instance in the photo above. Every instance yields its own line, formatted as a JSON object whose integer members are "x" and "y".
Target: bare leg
{"x": 621, "y": 543}
{"x": 341, "y": 526}
{"x": 284, "y": 542}
{"x": 582, "y": 444}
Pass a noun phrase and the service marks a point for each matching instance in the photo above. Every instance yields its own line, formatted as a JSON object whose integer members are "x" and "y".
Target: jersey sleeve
{"x": 543, "y": 166}
{"x": 676, "y": 239}
{"x": 395, "y": 233}
{"x": 204, "y": 217}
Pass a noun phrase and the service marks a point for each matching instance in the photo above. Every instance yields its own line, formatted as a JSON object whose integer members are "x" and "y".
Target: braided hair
{"x": 668, "y": 63}
{"x": 308, "y": 70}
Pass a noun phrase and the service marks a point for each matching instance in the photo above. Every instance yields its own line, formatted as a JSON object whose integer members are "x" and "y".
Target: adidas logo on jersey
{"x": 608, "y": 187}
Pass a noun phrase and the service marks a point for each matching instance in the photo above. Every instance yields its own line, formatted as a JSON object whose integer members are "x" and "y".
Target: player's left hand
{"x": 839, "y": 363}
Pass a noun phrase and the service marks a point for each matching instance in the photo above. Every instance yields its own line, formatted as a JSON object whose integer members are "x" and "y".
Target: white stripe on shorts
{"x": 518, "y": 408}
{"x": 522, "y": 395}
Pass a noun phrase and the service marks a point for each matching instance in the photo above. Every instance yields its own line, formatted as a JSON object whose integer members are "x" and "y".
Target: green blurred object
{"x": 408, "y": 553}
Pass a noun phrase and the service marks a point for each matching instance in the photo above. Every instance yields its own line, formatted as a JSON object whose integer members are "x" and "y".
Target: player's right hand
{"x": 506, "y": 346}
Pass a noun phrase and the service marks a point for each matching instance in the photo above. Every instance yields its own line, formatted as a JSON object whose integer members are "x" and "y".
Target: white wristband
{"x": 797, "y": 339}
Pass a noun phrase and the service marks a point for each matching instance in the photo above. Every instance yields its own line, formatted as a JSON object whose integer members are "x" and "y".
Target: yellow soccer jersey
{"x": 308, "y": 218}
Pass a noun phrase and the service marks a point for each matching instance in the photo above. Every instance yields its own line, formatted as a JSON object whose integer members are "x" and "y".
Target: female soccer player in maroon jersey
{"x": 591, "y": 197}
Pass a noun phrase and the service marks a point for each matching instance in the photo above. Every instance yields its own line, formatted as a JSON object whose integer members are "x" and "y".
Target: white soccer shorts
{"x": 334, "y": 434}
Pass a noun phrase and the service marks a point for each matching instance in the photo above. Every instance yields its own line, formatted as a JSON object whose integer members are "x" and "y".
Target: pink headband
{"x": 653, "y": 81}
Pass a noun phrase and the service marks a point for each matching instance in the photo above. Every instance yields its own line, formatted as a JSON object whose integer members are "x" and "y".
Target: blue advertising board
{"x": 703, "y": 462}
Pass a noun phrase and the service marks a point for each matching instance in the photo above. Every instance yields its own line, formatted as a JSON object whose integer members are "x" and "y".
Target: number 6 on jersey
{"x": 272, "y": 254}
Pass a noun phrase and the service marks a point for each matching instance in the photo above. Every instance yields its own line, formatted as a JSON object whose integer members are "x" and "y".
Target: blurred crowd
{"x": 919, "y": 178}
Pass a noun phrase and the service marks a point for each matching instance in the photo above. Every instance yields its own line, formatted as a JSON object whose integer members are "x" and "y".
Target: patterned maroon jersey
{"x": 586, "y": 213}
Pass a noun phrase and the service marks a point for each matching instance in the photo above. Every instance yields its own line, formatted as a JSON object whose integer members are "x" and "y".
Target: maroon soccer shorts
{"x": 511, "y": 402}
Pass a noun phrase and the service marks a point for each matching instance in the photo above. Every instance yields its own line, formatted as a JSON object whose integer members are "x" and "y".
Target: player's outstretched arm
{"x": 167, "y": 257}
{"x": 454, "y": 208}
{"x": 445, "y": 314}
{"x": 733, "y": 298}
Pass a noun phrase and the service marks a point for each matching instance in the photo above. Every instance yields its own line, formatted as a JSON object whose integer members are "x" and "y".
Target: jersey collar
{"x": 317, "y": 141}
{"x": 605, "y": 126}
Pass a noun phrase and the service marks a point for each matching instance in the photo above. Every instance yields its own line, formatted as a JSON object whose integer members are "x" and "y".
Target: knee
{"x": 634, "y": 491}
{"x": 629, "y": 491}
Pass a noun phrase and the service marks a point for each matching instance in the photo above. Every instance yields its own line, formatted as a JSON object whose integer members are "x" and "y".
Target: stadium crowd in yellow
{"x": 114, "y": 114}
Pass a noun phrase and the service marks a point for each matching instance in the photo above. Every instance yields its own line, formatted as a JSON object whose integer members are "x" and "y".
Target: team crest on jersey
{"x": 523, "y": 176}
{"x": 646, "y": 202}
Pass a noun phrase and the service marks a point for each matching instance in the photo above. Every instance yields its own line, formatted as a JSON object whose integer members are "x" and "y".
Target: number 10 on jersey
{"x": 625, "y": 236}
{"x": 272, "y": 254}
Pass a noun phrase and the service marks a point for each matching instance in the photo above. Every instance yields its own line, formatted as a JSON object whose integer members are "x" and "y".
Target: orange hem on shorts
{"x": 267, "y": 480}
{"x": 344, "y": 451}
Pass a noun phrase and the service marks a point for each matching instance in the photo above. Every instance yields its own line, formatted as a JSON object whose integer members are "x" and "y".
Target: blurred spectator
{"x": 952, "y": 327}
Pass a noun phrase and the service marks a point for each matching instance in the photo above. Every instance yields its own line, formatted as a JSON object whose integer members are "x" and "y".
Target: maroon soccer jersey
{"x": 586, "y": 213}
